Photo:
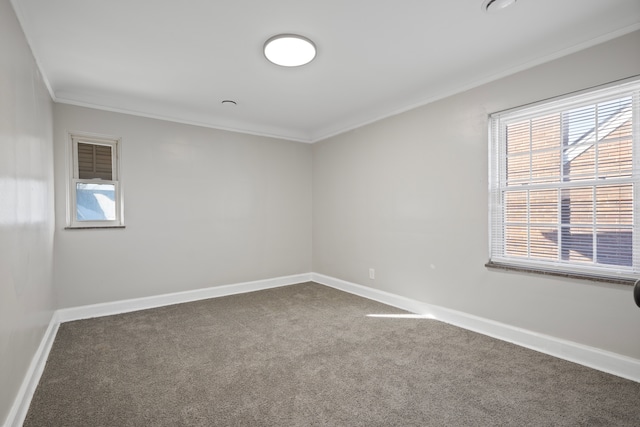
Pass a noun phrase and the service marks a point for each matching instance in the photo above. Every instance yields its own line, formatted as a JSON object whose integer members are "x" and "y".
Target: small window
{"x": 95, "y": 188}
{"x": 564, "y": 184}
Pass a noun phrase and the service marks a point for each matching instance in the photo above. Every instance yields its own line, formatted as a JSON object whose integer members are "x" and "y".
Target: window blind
{"x": 95, "y": 196}
{"x": 564, "y": 183}
{"x": 94, "y": 161}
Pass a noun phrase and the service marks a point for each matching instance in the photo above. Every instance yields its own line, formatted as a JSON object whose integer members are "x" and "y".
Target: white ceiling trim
{"x": 329, "y": 131}
{"x": 525, "y": 66}
{"x": 295, "y": 138}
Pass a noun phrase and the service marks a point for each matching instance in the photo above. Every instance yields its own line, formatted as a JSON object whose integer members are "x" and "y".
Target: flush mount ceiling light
{"x": 494, "y": 6}
{"x": 289, "y": 50}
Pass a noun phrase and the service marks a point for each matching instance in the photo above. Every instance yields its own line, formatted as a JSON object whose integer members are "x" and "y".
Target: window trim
{"x": 593, "y": 272}
{"x": 630, "y": 281}
{"x": 73, "y": 178}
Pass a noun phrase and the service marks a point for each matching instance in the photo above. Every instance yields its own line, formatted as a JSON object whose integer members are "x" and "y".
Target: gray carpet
{"x": 309, "y": 355}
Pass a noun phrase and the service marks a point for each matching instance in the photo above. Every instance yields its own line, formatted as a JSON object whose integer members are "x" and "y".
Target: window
{"x": 95, "y": 196}
{"x": 564, "y": 184}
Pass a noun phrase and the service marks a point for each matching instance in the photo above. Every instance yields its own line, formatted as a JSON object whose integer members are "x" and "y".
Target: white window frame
{"x": 116, "y": 180}
{"x": 497, "y": 184}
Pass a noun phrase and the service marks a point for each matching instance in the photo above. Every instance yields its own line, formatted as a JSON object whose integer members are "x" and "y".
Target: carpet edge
{"x": 22, "y": 401}
{"x": 18, "y": 411}
{"x": 154, "y": 301}
{"x": 592, "y": 357}
{"x": 602, "y": 360}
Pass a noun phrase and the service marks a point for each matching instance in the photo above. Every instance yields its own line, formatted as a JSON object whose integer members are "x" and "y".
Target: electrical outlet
{"x": 372, "y": 273}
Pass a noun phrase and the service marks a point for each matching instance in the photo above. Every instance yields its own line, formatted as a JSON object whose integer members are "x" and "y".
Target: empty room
{"x": 339, "y": 213}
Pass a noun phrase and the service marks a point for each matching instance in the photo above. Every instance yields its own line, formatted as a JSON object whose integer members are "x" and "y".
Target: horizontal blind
{"x": 564, "y": 183}
{"x": 95, "y": 161}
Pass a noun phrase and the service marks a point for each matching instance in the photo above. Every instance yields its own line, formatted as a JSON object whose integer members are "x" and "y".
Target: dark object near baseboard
{"x": 636, "y": 292}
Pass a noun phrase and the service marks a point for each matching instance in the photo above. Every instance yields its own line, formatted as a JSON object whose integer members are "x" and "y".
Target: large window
{"x": 564, "y": 184}
{"x": 95, "y": 193}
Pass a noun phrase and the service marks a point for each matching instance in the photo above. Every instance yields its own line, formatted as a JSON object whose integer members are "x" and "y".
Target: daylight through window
{"x": 564, "y": 183}
{"x": 95, "y": 194}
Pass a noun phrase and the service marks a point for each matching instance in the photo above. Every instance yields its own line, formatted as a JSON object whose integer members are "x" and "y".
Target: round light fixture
{"x": 493, "y": 6}
{"x": 289, "y": 50}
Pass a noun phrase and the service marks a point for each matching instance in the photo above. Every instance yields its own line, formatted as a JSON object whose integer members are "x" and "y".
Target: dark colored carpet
{"x": 309, "y": 355}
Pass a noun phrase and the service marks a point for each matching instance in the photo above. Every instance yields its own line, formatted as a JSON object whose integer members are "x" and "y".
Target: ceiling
{"x": 178, "y": 60}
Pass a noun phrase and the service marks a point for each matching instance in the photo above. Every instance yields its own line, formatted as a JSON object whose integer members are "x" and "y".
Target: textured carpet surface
{"x": 310, "y": 355}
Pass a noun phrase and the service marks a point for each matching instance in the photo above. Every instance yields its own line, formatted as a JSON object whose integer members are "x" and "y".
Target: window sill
{"x": 94, "y": 227}
{"x": 520, "y": 269}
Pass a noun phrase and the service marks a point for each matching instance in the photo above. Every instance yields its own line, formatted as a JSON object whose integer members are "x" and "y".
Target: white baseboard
{"x": 592, "y": 357}
{"x": 602, "y": 360}
{"x": 125, "y": 306}
{"x": 18, "y": 411}
{"x": 21, "y": 403}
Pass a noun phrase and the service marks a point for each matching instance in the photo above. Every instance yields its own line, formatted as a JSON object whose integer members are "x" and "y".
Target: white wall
{"x": 26, "y": 207}
{"x": 203, "y": 207}
{"x": 408, "y": 197}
